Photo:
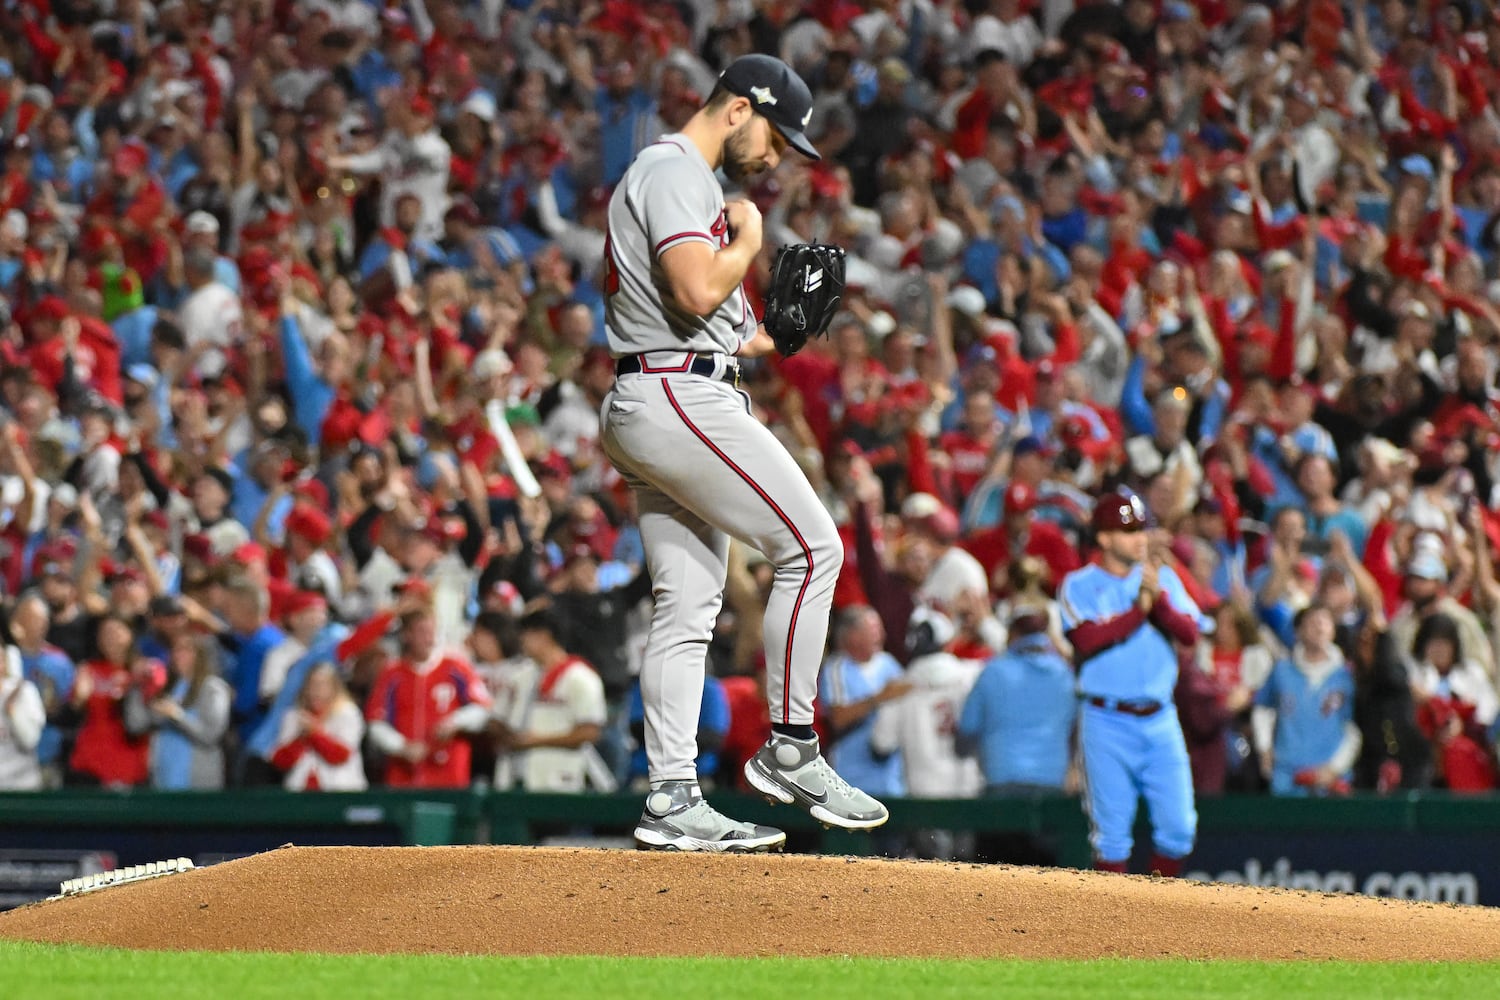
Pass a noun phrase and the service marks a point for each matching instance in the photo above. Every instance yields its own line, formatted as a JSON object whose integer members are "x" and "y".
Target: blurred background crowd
{"x": 266, "y": 263}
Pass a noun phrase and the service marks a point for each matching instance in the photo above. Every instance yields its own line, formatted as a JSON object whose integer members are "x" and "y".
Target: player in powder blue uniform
{"x": 1123, "y": 614}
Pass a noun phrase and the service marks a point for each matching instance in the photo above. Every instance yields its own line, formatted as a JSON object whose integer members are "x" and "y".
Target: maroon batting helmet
{"x": 1119, "y": 511}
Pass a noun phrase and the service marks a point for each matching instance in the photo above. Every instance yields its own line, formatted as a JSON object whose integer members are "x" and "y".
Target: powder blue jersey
{"x": 1310, "y": 718}
{"x": 1144, "y": 666}
{"x": 844, "y": 682}
{"x": 1021, "y": 713}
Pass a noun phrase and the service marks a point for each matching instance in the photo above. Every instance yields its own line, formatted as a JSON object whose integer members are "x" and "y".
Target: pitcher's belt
{"x": 715, "y": 366}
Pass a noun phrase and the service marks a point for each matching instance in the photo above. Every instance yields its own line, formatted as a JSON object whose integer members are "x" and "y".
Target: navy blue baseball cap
{"x": 776, "y": 93}
{"x": 1029, "y": 445}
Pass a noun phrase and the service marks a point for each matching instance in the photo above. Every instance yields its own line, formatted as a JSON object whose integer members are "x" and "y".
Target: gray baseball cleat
{"x": 678, "y": 818}
{"x": 793, "y": 772}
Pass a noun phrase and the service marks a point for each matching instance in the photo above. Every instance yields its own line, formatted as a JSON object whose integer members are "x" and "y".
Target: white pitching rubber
{"x": 120, "y": 876}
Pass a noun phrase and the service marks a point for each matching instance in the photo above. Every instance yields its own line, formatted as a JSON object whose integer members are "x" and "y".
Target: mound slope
{"x": 534, "y": 901}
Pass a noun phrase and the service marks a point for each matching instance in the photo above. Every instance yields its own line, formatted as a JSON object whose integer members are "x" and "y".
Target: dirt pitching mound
{"x": 534, "y": 901}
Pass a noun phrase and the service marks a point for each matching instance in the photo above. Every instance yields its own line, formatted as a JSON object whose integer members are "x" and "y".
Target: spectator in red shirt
{"x": 106, "y": 753}
{"x": 421, "y": 708}
{"x": 995, "y": 95}
{"x": 971, "y": 446}
{"x": 1021, "y": 533}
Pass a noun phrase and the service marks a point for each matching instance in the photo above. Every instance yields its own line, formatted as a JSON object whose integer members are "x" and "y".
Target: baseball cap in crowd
{"x": 1416, "y": 308}
{"x": 414, "y": 586}
{"x": 303, "y": 600}
{"x": 122, "y": 573}
{"x": 130, "y": 158}
{"x": 968, "y": 300}
{"x": 312, "y": 491}
{"x": 1278, "y": 259}
{"x": 1427, "y": 566}
{"x": 464, "y": 210}
{"x": 479, "y": 104}
{"x": 776, "y": 93}
{"x": 1008, "y": 205}
{"x": 1020, "y": 498}
{"x": 919, "y": 505}
{"x": 980, "y": 356}
{"x": 928, "y": 631}
{"x": 66, "y": 494}
{"x": 250, "y": 552}
{"x": 199, "y": 547}
{"x": 164, "y": 606}
{"x": 309, "y": 524}
{"x": 925, "y": 512}
{"x": 55, "y": 559}
{"x": 554, "y": 465}
{"x": 523, "y": 415}
{"x": 201, "y": 222}
{"x": 507, "y": 593}
{"x": 489, "y": 363}
{"x": 1417, "y": 165}
{"x": 1029, "y": 445}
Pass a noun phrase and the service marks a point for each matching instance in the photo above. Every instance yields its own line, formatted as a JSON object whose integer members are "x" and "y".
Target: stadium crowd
{"x": 267, "y": 265}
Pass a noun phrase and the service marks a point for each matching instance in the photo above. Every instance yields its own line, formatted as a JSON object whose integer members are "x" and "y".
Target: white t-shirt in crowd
{"x": 567, "y": 696}
{"x": 345, "y": 725}
{"x": 954, "y": 573}
{"x": 211, "y": 316}
{"x": 512, "y": 685}
{"x": 923, "y": 725}
{"x": 417, "y": 166}
{"x": 21, "y": 723}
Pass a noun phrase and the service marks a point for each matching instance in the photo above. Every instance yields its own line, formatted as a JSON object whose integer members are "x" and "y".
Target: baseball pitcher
{"x": 680, "y": 430}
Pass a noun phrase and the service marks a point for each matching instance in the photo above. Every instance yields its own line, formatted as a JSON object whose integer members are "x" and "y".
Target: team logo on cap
{"x": 807, "y": 118}
{"x": 763, "y": 95}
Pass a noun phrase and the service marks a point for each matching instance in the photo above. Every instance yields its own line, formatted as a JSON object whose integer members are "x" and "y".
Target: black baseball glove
{"x": 807, "y": 284}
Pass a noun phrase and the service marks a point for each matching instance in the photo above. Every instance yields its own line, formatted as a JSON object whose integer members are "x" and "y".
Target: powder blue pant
{"x": 1127, "y": 758}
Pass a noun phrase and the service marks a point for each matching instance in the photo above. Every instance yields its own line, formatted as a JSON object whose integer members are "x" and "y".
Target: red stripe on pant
{"x": 791, "y": 632}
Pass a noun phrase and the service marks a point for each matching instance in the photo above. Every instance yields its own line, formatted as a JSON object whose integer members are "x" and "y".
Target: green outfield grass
{"x": 36, "y": 972}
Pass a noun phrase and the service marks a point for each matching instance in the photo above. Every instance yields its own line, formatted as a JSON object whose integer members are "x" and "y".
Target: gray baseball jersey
{"x": 702, "y": 466}
{"x": 669, "y": 196}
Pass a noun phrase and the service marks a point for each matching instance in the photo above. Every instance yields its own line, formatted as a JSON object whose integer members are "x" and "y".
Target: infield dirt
{"x": 537, "y": 901}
